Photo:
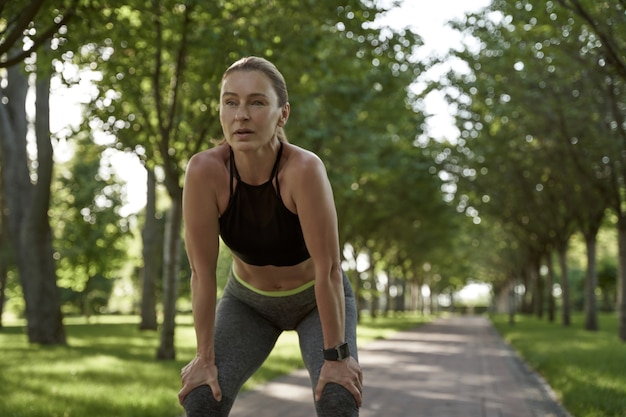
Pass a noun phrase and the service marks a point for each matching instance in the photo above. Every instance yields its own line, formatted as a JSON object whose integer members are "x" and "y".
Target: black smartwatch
{"x": 338, "y": 353}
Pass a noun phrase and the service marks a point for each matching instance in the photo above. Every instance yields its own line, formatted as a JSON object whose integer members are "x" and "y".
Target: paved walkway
{"x": 452, "y": 367}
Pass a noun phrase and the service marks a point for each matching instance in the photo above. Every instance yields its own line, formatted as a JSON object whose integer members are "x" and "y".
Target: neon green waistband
{"x": 285, "y": 293}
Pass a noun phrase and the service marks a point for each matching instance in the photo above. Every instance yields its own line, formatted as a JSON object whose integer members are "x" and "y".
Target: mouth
{"x": 243, "y": 131}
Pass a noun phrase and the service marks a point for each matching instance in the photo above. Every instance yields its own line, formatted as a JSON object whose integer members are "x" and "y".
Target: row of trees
{"x": 542, "y": 151}
{"x": 537, "y": 148}
{"x": 160, "y": 65}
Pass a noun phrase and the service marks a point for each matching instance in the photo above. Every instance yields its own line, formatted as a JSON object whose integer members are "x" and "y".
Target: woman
{"x": 272, "y": 204}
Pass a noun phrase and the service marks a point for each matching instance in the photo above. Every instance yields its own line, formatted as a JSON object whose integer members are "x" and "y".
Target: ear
{"x": 284, "y": 115}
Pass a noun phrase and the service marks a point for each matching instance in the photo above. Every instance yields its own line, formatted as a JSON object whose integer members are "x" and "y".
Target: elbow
{"x": 200, "y": 282}
{"x": 331, "y": 272}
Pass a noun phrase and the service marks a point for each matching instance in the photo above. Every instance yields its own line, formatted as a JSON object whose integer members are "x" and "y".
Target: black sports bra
{"x": 256, "y": 225}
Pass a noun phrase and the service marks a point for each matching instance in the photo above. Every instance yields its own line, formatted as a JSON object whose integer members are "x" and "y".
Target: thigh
{"x": 243, "y": 340}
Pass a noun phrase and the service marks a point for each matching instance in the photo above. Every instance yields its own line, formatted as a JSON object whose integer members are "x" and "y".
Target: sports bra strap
{"x": 233, "y": 170}
{"x": 235, "y": 173}
{"x": 275, "y": 169}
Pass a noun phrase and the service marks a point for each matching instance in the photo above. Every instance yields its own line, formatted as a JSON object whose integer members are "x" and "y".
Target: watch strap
{"x": 337, "y": 353}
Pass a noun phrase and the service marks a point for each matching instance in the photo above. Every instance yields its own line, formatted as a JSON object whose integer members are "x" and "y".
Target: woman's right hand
{"x": 196, "y": 373}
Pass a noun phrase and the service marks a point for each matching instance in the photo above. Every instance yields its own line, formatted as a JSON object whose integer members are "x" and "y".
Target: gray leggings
{"x": 247, "y": 326}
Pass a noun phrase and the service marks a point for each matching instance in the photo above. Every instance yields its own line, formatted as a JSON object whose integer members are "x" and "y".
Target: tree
{"x": 151, "y": 238}
{"x": 538, "y": 103}
{"x": 28, "y": 202}
{"x": 159, "y": 96}
{"x": 605, "y": 26}
{"x": 26, "y": 185}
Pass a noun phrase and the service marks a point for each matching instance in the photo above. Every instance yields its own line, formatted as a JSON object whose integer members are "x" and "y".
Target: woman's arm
{"x": 200, "y": 213}
{"x": 314, "y": 201}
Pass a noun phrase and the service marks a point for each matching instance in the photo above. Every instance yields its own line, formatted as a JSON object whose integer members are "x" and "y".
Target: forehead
{"x": 246, "y": 83}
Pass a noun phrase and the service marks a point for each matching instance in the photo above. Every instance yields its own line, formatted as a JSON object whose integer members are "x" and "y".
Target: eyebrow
{"x": 228, "y": 93}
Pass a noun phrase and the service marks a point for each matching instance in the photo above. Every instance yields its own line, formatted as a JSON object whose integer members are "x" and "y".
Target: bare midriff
{"x": 275, "y": 278}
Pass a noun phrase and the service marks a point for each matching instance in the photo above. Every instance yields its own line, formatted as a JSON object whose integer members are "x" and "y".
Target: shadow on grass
{"x": 106, "y": 370}
{"x": 587, "y": 369}
{"x": 109, "y": 368}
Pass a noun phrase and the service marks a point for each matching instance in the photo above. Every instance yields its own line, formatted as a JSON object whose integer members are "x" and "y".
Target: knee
{"x": 200, "y": 403}
{"x": 336, "y": 401}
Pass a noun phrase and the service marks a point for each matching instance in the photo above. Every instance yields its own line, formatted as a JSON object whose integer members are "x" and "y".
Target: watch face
{"x": 337, "y": 353}
{"x": 344, "y": 351}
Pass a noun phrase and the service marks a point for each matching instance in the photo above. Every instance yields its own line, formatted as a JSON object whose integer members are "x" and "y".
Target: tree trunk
{"x": 28, "y": 204}
{"x": 356, "y": 285}
{"x": 401, "y": 296}
{"x": 171, "y": 265}
{"x": 375, "y": 295}
{"x": 3, "y": 286}
{"x": 565, "y": 308}
{"x": 4, "y": 245}
{"x": 550, "y": 288}
{"x": 526, "y": 304}
{"x": 387, "y": 296}
{"x": 621, "y": 277}
{"x": 512, "y": 303}
{"x": 151, "y": 245}
{"x": 591, "y": 282}
{"x": 539, "y": 289}
{"x": 38, "y": 233}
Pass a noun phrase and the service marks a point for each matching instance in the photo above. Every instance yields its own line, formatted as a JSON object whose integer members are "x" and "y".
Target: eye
{"x": 230, "y": 103}
{"x": 258, "y": 103}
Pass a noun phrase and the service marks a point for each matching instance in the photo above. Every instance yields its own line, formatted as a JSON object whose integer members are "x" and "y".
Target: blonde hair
{"x": 254, "y": 63}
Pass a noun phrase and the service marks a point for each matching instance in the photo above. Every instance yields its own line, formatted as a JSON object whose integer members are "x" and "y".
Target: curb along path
{"x": 452, "y": 367}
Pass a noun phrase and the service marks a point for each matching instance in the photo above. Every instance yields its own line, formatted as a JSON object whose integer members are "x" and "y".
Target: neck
{"x": 255, "y": 167}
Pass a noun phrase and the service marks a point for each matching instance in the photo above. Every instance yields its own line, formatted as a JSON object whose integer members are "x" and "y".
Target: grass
{"x": 587, "y": 370}
{"x": 109, "y": 369}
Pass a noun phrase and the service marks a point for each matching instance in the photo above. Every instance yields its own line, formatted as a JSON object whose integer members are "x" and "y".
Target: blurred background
{"x": 477, "y": 150}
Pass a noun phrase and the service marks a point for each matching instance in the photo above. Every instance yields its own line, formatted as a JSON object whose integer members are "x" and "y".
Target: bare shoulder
{"x": 301, "y": 162}
{"x": 206, "y": 179}
{"x": 209, "y": 164}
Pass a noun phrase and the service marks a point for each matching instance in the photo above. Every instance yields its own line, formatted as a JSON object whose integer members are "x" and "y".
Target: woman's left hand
{"x": 346, "y": 373}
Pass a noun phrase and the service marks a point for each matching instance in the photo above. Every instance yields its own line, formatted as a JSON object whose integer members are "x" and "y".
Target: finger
{"x": 217, "y": 391}
{"x": 357, "y": 394}
{"x": 356, "y": 388}
{"x": 318, "y": 389}
{"x": 182, "y": 394}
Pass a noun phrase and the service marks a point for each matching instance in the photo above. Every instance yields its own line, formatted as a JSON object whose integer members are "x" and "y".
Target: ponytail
{"x": 281, "y": 135}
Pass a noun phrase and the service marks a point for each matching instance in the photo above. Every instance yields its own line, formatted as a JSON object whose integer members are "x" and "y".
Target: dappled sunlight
{"x": 106, "y": 366}
{"x": 585, "y": 369}
{"x": 456, "y": 366}
{"x": 296, "y": 387}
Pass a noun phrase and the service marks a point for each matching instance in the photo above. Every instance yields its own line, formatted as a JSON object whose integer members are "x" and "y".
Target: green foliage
{"x": 538, "y": 155}
{"x": 161, "y": 66}
{"x": 586, "y": 369}
{"x": 91, "y": 236}
{"x": 26, "y": 27}
{"x": 108, "y": 369}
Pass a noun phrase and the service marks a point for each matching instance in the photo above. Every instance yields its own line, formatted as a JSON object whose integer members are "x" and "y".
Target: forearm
{"x": 331, "y": 306}
{"x": 203, "y": 302}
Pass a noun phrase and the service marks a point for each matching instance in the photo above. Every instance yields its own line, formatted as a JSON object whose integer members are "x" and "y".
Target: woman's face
{"x": 249, "y": 111}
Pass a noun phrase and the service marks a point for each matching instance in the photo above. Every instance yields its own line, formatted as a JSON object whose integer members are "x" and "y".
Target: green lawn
{"x": 586, "y": 369}
{"x": 108, "y": 368}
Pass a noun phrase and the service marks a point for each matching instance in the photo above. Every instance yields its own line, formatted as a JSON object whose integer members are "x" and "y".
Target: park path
{"x": 453, "y": 367}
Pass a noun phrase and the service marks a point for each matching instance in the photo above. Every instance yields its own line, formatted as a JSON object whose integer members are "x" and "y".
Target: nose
{"x": 242, "y": 114}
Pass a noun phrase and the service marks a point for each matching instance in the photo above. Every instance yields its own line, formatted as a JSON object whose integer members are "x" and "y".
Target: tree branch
{"x": 26, "y": 17}
{"x": 611, "y": 49}
{"x": 158, "y": 62}
{"x": 22, "y": 24}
